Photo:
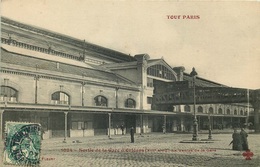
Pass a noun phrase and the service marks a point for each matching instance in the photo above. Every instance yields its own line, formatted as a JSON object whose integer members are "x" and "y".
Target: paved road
{"x": 148, "y": 150}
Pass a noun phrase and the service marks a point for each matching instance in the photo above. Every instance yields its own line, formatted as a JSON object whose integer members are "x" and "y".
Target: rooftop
{"x": 82, "y": 44}
{"x": 50, "y": 65}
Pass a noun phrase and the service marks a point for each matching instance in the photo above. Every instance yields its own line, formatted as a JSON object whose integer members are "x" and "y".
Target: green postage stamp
{"x": 22, "y": 143}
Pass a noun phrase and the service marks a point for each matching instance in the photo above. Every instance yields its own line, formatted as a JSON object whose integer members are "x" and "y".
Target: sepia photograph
{"x": 130, "y": 83}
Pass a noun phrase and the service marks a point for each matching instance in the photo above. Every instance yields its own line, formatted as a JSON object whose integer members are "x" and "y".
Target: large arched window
{"x": 60, "y": 98}
{"x": 160, "y": 71}
{"x": 241, "y": 112}
{"x": 187, "y": 108}
{"x": 8, "y": 94}
{"x": 235, "y": 112}
{"x": 130, "y": 103}
{"x": 220, "y": 111}
{"x": 228, "y": 111}
{"x": 100, "y": 101}
{"x": 200, "y": 109}
{"x": 211, "y": 110}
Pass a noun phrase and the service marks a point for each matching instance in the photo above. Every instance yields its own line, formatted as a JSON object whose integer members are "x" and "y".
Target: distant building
{"x": 74, "y": 88}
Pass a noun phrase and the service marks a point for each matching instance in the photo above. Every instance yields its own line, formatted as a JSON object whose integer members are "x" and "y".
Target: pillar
{"x": 82, "y": 93}
{"x": 36, "y": 78}
{"x": 212, "y": 123}
{"x": 141, "y": 124}
{"x": 66, "y": 125}
{"x": 1, "y": 125}
{"x": 116, "y": 96}
{"x": 199, "y": 123}
{"x": 164, "y": 124}
{"x": 109, "y": 125}
{"x": 182, "y": 124}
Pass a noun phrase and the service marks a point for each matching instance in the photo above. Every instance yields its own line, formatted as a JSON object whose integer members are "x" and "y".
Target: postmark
{"x": 22, "y": 143}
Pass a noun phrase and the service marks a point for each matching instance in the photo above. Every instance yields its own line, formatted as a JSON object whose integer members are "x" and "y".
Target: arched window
{"x": 130, "y": 103}
{"x": 241, "y": 112}
{"x": 100, "y": 101}
{"x": 245, "y": 113}
{"x": 8, "y": 94}
{"x": 235, "y": 112}
{"x": 60, "y": 98}
{"x": 200, "y": 109}
{"x": 220, "y": 111}
{"x": 211, "y": 110}
{"x": 160, "y": 71}
{"x": 228, "y": 111}
{"x": 187, "y": 108}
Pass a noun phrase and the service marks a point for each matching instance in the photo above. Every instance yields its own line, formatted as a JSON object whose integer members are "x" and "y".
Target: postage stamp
{"x": 22, "y": 143}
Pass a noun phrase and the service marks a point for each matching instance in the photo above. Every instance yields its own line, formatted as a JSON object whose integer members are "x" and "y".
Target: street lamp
{"x": 193, "y": 74}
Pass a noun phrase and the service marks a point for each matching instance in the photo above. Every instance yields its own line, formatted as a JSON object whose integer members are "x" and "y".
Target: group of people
{"x": 239, "y": 140}
{"x": 132, "y": 132}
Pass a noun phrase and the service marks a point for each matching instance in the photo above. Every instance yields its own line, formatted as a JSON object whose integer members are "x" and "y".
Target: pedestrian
{"x": 116, "y": 129}
{"x": 122, "y": 128}
{"x": 237, "y": 144}
{"x": 244, "y": 141}
{"x": 164, "y": 130}
{"x": 132, "y": 135}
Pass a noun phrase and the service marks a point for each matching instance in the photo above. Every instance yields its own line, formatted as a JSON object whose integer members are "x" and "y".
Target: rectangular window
{"x": 81, "y": 125}
{"x": 149, "y": 82}
{"x": 149, "y": 100}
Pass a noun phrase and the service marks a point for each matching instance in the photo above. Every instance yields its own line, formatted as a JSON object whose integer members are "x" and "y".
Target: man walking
{"x": 132, "y": 135}
{"x": 237, "y": 144}
{"x": 122, "y": 128}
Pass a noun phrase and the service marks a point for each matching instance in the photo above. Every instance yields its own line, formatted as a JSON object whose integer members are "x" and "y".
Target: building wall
{"x": 241, "y": 110}
{"x": 25, "y": 85}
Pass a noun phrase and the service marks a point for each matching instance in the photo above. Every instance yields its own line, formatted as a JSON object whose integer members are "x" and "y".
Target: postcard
{"x": 130, "y": 83}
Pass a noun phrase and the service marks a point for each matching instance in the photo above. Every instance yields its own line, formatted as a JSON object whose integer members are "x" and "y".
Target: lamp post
{"x": 193, "y": 74}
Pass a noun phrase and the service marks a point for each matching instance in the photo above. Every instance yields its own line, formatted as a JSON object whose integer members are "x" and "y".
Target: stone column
{"x": 141, "y": 124}
{"x": 182, "y": 124}
{"x": 164, "y": 124}
{"x": 116, "y": 96}
{"x": 82, "y": 93}
{"x": 1, "y": 125}
{"x": 66, "y": 125}
{"x": 109, "y": 125}
{"x": 36, "y": 78}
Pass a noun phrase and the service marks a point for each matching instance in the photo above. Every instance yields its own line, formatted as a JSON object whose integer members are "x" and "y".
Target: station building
{"x": 75, "y": 89}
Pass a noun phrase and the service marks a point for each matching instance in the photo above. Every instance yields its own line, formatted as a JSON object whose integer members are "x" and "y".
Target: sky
{"x": 220, "y": 39}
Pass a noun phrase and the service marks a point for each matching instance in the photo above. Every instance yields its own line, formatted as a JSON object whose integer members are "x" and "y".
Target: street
{"x": 154, "y": 149}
